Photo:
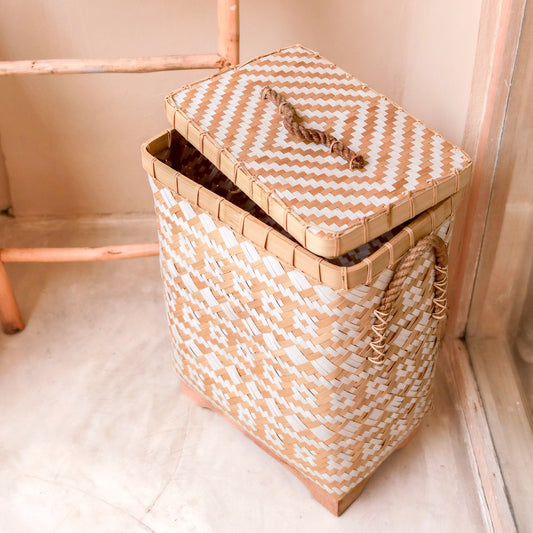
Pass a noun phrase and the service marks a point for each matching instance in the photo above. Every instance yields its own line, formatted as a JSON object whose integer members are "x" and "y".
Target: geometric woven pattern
{"x": 185, "y": 157}
{"x": 285, "y": 357}
{"x": 404, "y": 156}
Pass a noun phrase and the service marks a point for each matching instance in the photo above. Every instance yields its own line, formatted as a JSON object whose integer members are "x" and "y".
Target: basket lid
{"x": 239, "y": 119}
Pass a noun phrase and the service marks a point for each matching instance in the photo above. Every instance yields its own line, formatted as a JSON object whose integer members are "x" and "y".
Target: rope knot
{"x": 265, "y": 93}
{"x": 332, "y": 145}
{"x": 292, "y": 122}
{"x": 357, "y": 162}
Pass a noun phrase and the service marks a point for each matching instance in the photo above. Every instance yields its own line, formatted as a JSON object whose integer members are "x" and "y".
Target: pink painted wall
{"x": 71, "y": 143}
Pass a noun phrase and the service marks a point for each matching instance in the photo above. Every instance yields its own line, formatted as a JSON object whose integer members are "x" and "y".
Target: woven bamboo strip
{"x": 256, "y": 231}
{"x": 368, "y": 229}
{"x": 118, "y": 65}
{"x": 281, "y": 354}
{"x": 311, "y": 230}
{"x": 334, "y": 505}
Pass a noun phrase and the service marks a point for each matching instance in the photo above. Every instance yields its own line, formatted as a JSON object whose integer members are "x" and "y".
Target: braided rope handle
{"x": 383, "y": 313}
{"x": 293, "y": 125}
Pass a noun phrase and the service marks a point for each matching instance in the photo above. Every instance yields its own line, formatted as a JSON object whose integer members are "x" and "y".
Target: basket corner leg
{"x": 332, "y": 503}
{"x": 196, "y": 397}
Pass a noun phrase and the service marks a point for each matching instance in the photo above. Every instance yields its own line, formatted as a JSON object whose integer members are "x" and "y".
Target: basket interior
{"x": 186, "y": 159}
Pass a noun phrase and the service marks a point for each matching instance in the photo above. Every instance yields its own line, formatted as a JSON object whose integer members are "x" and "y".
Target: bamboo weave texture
{"x": 286, "y": 357}
{"x": 403, "y": 155}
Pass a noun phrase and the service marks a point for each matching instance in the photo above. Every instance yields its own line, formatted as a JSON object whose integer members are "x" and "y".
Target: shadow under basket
{"x": 327, "y": 364}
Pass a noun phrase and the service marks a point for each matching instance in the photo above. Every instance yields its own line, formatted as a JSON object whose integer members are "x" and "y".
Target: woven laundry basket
{"x": 303, "y": 221}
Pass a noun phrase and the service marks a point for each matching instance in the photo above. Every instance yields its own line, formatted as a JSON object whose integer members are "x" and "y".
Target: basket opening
{"x": 186, "y": 159}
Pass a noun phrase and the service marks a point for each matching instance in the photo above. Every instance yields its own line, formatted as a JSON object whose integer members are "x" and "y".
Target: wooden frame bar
{"x": 228, "y": 46}
{"x": 506, "y": 255}
{"x": 10, "y": 316}
{"x": 106, "y": 66}
{"x": 462, "y": 382}
{"x": 228, "y": 30}
{"x": 497, "y": 48}
{"x": 509, "y": 422}
{"x": 228, "y": 54}
{"x": 492, "y": 255}
{"x": 54, "y": 255}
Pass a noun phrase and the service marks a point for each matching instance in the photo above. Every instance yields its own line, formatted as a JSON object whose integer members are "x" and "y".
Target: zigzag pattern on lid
{"x": 403, "y": 155}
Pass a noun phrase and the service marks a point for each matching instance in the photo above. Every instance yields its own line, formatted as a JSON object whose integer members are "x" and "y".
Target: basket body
{"x": 285, "y": 354}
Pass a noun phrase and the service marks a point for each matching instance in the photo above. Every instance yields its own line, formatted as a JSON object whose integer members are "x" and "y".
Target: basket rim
{"x": 316, "y": 239}
{"x": 285, "y": 250}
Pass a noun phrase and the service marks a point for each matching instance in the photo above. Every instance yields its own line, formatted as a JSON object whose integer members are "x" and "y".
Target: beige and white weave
{"x": 327, "y": 207}
{"x": 284, "y": 355}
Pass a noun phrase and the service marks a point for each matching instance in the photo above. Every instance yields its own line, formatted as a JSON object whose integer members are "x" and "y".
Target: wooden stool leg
{"x": 9, "y": 309}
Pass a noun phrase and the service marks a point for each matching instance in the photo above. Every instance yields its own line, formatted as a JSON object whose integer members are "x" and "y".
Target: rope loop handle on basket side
{"x": 293, "y": 124}
{"x": 383, "y": 313}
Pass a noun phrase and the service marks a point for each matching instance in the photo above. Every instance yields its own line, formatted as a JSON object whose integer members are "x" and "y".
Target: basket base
{"x": 329, "y": 501}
